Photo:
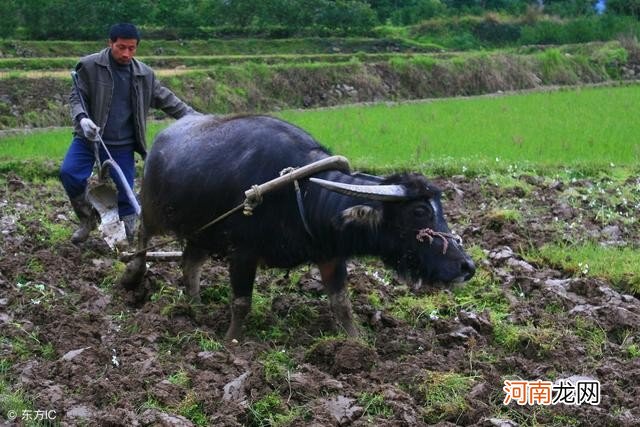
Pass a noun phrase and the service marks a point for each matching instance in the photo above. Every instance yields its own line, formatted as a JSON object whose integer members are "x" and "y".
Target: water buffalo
{"x": 200, "y": 166}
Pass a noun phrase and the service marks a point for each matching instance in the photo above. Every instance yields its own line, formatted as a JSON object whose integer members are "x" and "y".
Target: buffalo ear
{"x": 362, "y": 215}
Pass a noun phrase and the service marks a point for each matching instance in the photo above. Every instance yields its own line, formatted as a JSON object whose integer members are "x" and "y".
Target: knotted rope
{"x": 252, "y": 202}
{"x": 256, "y": 196}
{"x": 427, "y": 233}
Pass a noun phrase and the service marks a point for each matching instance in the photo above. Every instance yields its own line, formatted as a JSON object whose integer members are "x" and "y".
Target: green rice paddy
{"x": 585, "y": 126}
{"x": 593, "y": 126}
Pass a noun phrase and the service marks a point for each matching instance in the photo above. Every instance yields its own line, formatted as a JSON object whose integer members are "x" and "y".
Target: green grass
{"x": 192, "y": 409}
{"x": 633, "y": 351}
{"x": 443, "y": 394}
{"x": 189, "y": 407}
{"x": 374, "y": 406}
{"x": 49, "y": 143}
{"x": 277, "y": 366}
{"x": 271, "y": 410}
{"x": 593, "y": 335}
{"x": 180, "y": 378}
{"x": 499, "y": 217}
{"x": 594, "y": 127}
{"x": 538, "y": 341}
{"x": 13, "y": 401}
{"x": 482, "y": 292}
{"x": 412, "y": 308}
{"x": 203, "y": 339}
{"x": 620, "y": 266}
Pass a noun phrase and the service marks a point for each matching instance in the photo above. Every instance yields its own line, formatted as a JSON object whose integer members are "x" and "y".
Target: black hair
{"x": 124, "y": 31}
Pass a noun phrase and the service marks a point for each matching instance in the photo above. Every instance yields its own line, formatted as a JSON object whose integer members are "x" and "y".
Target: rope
{"x": 427, "y": 233}
{"x": 287, "y": 170}
{"x": 174, "y": 239}
{"x": 256, "y": 199}
{"x": 301, "y": 211}
{"x": 251, "y": 203}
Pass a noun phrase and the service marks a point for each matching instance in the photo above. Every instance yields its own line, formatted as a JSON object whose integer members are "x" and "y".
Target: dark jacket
{"x": 96, "y": 85}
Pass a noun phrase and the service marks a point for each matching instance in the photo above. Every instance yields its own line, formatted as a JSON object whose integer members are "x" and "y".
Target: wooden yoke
{"x": 255, "y": 193}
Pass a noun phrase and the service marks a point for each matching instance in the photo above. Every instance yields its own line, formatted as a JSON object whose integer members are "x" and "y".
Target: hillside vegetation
{"x": 487, "y": 21}
{"x": 268, "y": 83}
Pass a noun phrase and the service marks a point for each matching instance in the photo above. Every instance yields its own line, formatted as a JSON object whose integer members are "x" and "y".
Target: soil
{"x": 76, "y": 344}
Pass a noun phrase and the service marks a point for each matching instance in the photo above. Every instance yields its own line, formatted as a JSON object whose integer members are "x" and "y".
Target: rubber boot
{"x": 87, "y": 217}
{"x": 130, "y": 226}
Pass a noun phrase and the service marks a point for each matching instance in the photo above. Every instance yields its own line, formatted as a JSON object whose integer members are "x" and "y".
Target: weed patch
{"x": 442, "y": 394}
{"x": 619, "y": 266}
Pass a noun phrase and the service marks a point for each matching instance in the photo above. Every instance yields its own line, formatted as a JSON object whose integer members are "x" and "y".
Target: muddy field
{"x": 76, "y": 348}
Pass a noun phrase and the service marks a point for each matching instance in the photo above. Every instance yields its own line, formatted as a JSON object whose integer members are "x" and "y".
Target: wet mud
{"x": 76, "y": 343}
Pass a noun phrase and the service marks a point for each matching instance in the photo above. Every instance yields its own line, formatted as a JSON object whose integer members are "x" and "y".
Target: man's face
{"x": 123, "y": 50}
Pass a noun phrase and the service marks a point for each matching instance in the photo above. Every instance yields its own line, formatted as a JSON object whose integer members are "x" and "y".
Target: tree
{"x": 624, "y": 7}
{"x": 348, "y": 15}
{"x": 570, "y": 8}
{"x": 415, "y": 11}
{"x": 38, "y": 16}
{"x": 175, "y": 14}
{"x": 385, "y": 8}
{"x": 9, "y": 14}
{"x": 479, "y": 6}
{"x": 238, "y": 13}
{"x": 291, "y": 14}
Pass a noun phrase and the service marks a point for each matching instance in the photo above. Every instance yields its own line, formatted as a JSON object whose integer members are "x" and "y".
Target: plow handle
{"x": 123, "y": 181}
{"x": 110, "y": 162}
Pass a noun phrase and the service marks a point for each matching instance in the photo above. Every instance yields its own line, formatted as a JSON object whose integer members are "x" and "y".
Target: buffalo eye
{"x": 421, "y": 212}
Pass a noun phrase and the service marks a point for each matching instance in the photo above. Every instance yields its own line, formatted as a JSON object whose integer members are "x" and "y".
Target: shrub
{"x": 542, "y": 32}
{"x": 494, "y": 31}
{"x": 417, "y": 10}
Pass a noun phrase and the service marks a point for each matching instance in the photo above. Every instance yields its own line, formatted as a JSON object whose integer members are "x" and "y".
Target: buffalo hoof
{"x": 138, "y": 297}
{"x": 351, "y": 330}
{"x": 134, "y": 274}
{"x": 240, "y": 308}
{"x": 232, "y": 337}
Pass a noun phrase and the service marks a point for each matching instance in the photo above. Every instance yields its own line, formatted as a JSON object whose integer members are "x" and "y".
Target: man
{"x": 118, "y": 91}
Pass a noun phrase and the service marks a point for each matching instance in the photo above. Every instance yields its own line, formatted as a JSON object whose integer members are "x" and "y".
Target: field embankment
{"x": 244, "y": 46}
{"x": 269, "y": 83}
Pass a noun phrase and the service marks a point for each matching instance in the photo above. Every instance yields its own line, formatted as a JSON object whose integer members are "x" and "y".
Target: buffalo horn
{"x": 372, "y": 192}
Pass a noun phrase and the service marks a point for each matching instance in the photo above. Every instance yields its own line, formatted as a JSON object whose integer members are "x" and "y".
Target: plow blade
{"x": 104, "y": 199}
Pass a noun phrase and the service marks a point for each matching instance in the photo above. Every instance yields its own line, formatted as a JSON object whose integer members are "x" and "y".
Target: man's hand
{"x": 91, "y": 130}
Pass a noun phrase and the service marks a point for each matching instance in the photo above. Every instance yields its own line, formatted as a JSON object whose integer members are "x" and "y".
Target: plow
{"x": 101, "y": 191}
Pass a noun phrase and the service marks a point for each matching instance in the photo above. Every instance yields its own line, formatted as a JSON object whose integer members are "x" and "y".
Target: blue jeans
{"x": 78, "y": 164}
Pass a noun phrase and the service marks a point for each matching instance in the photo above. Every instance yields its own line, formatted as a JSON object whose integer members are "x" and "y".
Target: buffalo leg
{"x": 334, "y": 275}
{"x": 242, "y": 272}
{"x": 192, "y": 260}
{"x": 137, "y": 267}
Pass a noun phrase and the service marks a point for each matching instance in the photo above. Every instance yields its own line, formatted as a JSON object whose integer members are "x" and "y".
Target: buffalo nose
{"x": 468, "y": 268}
